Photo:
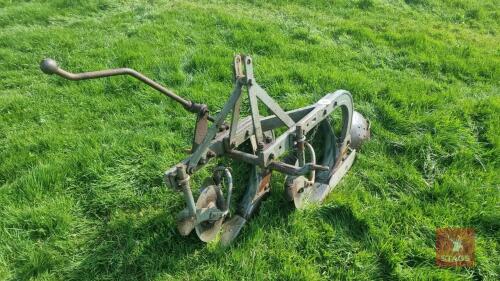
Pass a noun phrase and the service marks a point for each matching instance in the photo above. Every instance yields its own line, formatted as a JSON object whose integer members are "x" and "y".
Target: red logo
{"x": 455, "y": 247}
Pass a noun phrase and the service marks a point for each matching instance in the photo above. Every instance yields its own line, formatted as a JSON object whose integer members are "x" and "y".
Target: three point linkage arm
{"x": 49, "y": 66}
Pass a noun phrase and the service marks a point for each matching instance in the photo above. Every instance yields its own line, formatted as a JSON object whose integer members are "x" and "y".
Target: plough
{"x": 311, "y": 172}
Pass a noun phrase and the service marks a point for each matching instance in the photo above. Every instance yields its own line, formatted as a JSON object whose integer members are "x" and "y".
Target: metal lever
{"x": 49, "y": 66}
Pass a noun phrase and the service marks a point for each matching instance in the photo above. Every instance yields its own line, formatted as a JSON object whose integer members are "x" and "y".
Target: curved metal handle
{"x": 49, "y": 66}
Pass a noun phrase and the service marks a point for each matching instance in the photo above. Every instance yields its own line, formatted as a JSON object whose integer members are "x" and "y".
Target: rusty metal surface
{"x": 264, "y": 183}
{"x": 200, "y": 129}
{"x": 256, "y": 191}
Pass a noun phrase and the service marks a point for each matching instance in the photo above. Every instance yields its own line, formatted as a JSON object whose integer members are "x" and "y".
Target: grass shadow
{"x": 342, "y": 218}
{"x": 354, "y": 232}
{"x": 124, "y": 250}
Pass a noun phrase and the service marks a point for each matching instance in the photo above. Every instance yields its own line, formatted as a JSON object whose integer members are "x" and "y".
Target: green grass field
{"x": 81, "y": 163}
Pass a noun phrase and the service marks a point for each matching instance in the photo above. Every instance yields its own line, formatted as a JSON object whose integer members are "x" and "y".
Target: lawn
{"x": 81, "y": 163}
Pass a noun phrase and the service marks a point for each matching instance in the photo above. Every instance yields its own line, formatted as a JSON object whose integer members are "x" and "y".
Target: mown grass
{"x": 81, "y": 164}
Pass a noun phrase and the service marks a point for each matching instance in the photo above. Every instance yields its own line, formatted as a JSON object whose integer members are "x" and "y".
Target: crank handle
{"x": 50, "y": 66}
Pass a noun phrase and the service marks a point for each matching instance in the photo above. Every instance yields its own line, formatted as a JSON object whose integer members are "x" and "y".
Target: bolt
{"x": 269, "y": 139}
{"x": 260, "y": 145}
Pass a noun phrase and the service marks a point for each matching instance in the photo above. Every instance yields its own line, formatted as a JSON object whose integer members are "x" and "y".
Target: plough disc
{"x": 207, "y": 230}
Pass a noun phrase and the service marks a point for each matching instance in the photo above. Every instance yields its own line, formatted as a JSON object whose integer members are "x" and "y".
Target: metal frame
{"x": 307, "y": 181}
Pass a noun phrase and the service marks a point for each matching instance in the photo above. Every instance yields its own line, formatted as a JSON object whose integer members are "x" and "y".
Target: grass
{"x": 81, "y": 163}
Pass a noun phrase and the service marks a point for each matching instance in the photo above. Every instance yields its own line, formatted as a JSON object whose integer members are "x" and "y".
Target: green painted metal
{"x": 309, "y": 177}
